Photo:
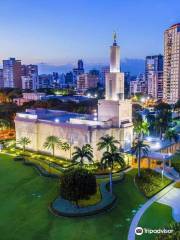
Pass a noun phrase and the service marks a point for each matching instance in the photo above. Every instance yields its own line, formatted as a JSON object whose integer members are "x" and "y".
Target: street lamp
{"x": 162, "y": 173}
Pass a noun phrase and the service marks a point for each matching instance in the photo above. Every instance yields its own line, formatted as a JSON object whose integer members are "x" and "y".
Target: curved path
{"x": 172, "y": 200}
{"x": 140, "y": 212}
{"x": 65, "y": 208}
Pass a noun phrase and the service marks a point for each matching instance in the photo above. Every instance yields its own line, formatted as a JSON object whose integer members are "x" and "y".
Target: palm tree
{"x": 51, "y": 143}
{"x": 107, "y": 142}
{"x": 65, "y": 146}
{"x": 80, "y": 154}
{"x": 171, "y": 135}
{"x": 24, "y": 141}
{"x": 138, "y": 149}
{"x": 109, "y": 159}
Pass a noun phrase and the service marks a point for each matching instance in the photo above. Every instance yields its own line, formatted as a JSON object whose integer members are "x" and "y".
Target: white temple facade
{"x": 114, "y": 118}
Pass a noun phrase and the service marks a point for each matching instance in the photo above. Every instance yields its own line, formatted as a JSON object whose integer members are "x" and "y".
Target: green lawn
{"x": 24, "y": 214}
{"x": 156, "y": 216}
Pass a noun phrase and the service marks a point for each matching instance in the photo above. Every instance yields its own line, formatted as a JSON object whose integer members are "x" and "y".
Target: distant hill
{"x": 134, "y": 66}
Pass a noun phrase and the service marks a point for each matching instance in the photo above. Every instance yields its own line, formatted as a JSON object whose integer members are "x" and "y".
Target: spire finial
{"x": 114, "y": 38}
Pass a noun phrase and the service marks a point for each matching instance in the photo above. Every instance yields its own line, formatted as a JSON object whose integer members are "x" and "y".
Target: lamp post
{"x": 162, "y": 173}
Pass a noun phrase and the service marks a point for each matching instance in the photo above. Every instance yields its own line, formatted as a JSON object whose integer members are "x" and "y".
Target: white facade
{"x": 114, "y": 118}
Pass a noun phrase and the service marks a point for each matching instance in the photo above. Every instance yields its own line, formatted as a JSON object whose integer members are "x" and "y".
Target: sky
{"x": 62, "y": 31}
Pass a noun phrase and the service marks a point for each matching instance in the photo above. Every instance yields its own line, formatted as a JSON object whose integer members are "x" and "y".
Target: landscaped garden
{"x": 25, "y": 198}
{"x": 151, "y": 182}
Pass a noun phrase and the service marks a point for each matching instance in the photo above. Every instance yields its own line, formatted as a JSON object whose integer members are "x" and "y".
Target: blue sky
{"x": 61, "y": 31}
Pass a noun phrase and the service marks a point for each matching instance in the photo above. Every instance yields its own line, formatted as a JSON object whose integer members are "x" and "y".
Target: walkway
{"x": 65, "y": 208}
{"x": 137, "y": 217}
{"x": 172, "y": 200}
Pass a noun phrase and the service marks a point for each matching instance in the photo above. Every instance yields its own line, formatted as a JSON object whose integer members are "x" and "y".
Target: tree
{"x": 24, "y": 141}
{"x": 76, "y": 184}
{"x": 82, "y": 154}
{"x": 171, "y": 135}
{"x": 151, "y": 120}
{"x": 65, "y": 146}
{"x": 141, "y": 128}
{"x": 163, "y": 117}
{"x": 107, "y": 142}
{"x": 109, "y": 159}
{"x": 4, "y": 124}
{"x": 177, "y": 106}
{"x": 51, "y": 143}
{"x": 138, "y": 149}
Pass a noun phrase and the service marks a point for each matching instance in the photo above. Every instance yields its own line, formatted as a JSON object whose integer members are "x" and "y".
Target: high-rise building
{"x": 78, "y": 71}
{"x": 45, "y": 81}
{"x": 171, "y": 78}
{"x": 138, "y": 85}
{"x": 29, "y": 77}
{"x": 1, "y": 79}
{"x": 12, "y": 73}
{"x": 86, "y": 81}
{"x": 154, "y": 76}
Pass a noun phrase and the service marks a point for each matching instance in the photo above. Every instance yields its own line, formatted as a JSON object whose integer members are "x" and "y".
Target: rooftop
{"x": 59, "y": 117}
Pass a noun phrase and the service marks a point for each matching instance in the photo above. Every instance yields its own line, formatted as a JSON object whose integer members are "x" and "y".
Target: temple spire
{"x": 114, "y": 38}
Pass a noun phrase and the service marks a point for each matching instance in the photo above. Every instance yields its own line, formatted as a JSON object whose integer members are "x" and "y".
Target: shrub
{"x": 77, "y": 184}
{"x": 19, "y": 158}
{"x": 151, "y": 182}
{"x": 176, "y": 166}
{"x": 177, "y": 185}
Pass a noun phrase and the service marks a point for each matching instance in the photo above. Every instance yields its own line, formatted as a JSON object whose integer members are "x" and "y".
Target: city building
{"x": 138, "y": 85}
{"x": 154, "y": 76}
{"x": 28, "y": 97}
{"x": 86, "y": 81}
{"x": 114, "y": 118}
{"x": 171, "y": 81}
{"x": 69, "y": 78}
{"x": 104, "y": 71}
{"x": 1, "y": 79}
{"x": 12, "y": 73}
{"x": 29, "y": 77}
{"x": 78, "y": 71}
{"x": 45, "y": 81}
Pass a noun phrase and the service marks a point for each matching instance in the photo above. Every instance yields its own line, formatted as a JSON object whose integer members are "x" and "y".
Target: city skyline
{"x": 71, "y": 33}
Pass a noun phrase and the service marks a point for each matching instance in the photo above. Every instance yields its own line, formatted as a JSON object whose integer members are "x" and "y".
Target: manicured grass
{"x": 150, "y": 182}
{"x": 157, "y": 216}
{"x": 24, "y": 214}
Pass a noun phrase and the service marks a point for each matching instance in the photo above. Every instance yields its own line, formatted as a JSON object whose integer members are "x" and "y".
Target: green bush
{"x": 177, "y": 185}
{"x": 151, "y": 182}
{"x": 19, "y": 158}
{"x": 77, "y": 184}
{"x": 176, "y": 166}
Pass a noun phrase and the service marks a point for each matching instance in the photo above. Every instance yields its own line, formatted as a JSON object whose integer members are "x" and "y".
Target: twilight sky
{"x": 61, "y": 31}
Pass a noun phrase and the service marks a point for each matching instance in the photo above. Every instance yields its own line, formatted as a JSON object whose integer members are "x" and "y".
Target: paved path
{"x": 140, "y": 212}
{"x": 172, "y": 199}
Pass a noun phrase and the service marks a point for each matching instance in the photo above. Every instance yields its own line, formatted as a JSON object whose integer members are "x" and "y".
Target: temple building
{"x": 114, "y": 118}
